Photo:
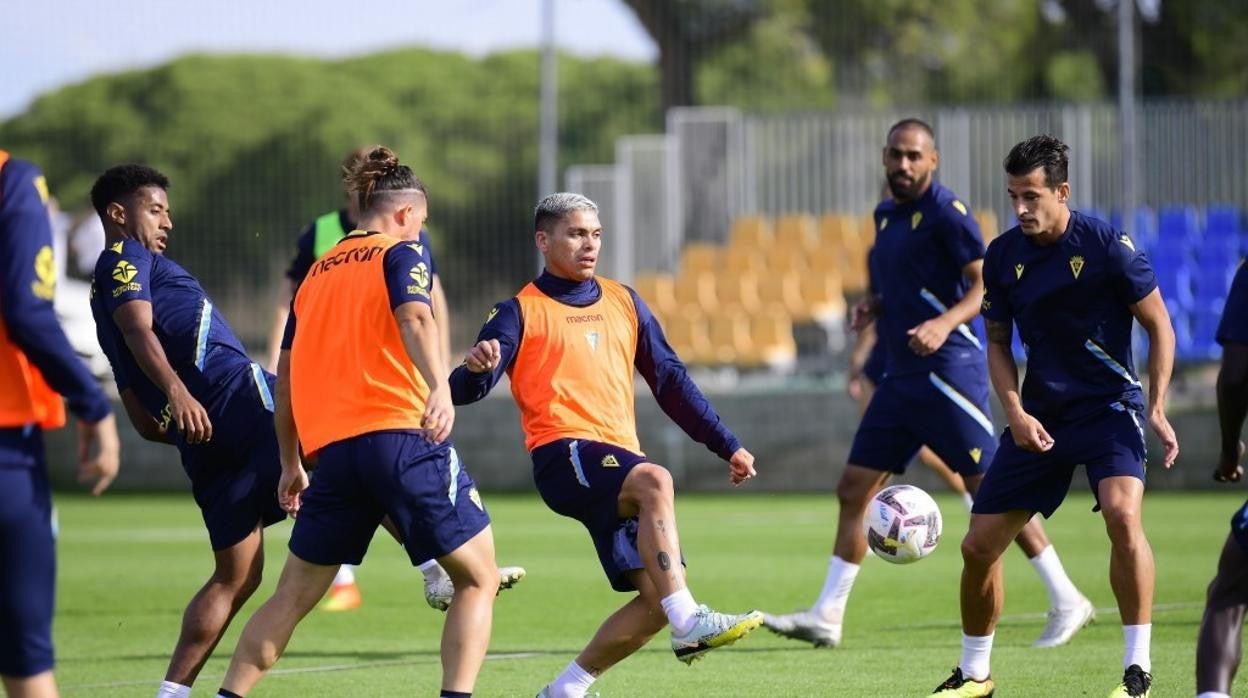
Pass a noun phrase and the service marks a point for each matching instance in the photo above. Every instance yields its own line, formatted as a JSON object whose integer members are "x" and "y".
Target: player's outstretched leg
{"x": 621, "y": 634}
{"x": 234, "y": 579}
{"x": 648, "y": 494}
{"x": 821, "y": 624}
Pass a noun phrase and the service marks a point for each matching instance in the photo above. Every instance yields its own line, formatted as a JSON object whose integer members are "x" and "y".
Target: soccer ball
{"x": 902, "y": 524}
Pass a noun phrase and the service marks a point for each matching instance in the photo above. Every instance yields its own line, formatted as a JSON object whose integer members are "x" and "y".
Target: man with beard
{"x": 926, "y": 286}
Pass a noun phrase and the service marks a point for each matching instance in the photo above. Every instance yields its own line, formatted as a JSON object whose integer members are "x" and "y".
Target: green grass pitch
{"x": 129, "y": 563}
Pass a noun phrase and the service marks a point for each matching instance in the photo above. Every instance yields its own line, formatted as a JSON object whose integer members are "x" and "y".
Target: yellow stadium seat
{"x": 658, "y": 291}
{"x": 840, "y": 233}
{"x": 750, "y": 232}
{"x": 772, "y": 339}
{"x": 988, "y": 225}
{"x": 822, "y": 297}
{"x": 687, "y": 334}
{"x": 796, "y": 231}
{"x": 730, "y": 337}
{"x": 700, "y": 257}
{"x": 866, "y": 230}
{"x": 695, "y": 292}
{"x": 784, "y": 259}
{"x": 739, "y": 258}
{"x": 854, "y": 275}
{"x": 737, "y": 292}
{"x": 780, "y": 293}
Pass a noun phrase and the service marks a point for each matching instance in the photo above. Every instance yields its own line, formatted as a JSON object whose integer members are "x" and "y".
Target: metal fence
{"x": 715, "y": 164}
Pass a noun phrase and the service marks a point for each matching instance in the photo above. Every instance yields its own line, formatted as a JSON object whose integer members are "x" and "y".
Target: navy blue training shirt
{"x": 1071, "y": 304}
{"x": 915, "y": 268}
{"x": 662, "y": 369}
{"x": 198, "y": 343}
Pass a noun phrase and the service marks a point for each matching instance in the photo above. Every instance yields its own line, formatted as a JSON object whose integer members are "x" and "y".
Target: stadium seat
{"x": 988, "y": 226}
{"x": 695, "y": 292}
{"x": 1217, "y": 269}
{"x": 658, "y": 291}
{"x": 772, "y": 339}
{"x": 745, "y": 258}
{"x": 866, "y": 230}
{"x": 1174, "y": 276}
{"x": 854, "y": 275}
{"x": 822, "y": 298}
{"x": 840, "y": 232}
{"x": 700, "y": 257}
{"x": 750, "y": 232}
{"x": 1223, "y": 224}
{"x": 687, "y": 334}
{"x": 797, "y": 232}
{"x": 1222, "y": 218}
{"x": 784, "y": 259}
{"x": 1177, "y": 225}
{"x": 781, "y": 294}
{"x": 737, "y": 291}
{"x": 1204, "y": 323}
{"x": 1181, "y": 322}
{"x": 730, "y": 338}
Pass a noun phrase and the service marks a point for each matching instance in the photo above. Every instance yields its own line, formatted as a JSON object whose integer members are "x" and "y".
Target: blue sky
{"x": 50, "y": 43}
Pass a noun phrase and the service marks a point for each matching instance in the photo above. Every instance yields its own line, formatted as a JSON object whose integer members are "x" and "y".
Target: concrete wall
{"x": 800, "y": 438}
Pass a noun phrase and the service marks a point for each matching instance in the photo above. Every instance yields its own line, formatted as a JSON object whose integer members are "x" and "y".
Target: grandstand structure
{"x": 747, "y": 233}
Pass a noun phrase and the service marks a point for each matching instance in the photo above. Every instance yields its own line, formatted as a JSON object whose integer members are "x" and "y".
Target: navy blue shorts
{"x": 422, "y": 487}
{"x": 1233, "y": 328}
{"x": 1239, "y": 527}
{"x": 1108, "y": 443}
{"x": 27, "y": 556}
{"x": 947, "y": 411}
{"x": 873, "y": 367}
{"x": 235, "y": 485}
{"x": 581, "y": 479}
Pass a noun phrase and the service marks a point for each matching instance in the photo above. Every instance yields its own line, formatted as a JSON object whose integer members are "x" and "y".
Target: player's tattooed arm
{"x": 999, "y": 332}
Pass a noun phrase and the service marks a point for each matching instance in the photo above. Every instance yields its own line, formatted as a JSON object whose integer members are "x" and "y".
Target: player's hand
{"x": 1029, "y": 434}
{"x": 854, "y": 387}
{"x": 290, "y": 487}
{"x": 928, "y": 337}
{"x": 741, "y": 467}
{"x": 190, "y": 416}
{"x": 98, "y": 469}
{"x": 1230, "y": 470}
{"x": 862, "y": 314}
{"x": 439, "y": 415}
{"x": 483, "y": 357}
{"x": 1165, "y": 433}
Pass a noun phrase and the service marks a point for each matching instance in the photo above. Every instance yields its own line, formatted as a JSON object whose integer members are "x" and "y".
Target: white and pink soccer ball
{"x": 902, "y": 524}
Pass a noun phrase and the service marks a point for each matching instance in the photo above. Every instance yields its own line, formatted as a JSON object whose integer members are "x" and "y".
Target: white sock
{"x": 968, "y": 500}
{"x": 976, "y": 650}
{"x": 1062, "y": 592}
{"x": 835, "y": 593}
{"x": 432, "y": 570}
{"x": 1213, "y": 694}
{"x": 169, "y": 689}
{"x": 1136, "y": 641}
{"x": 572, "y": 683}
{"x": 345, "y": 575}
{"x": 680, "y": 609}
